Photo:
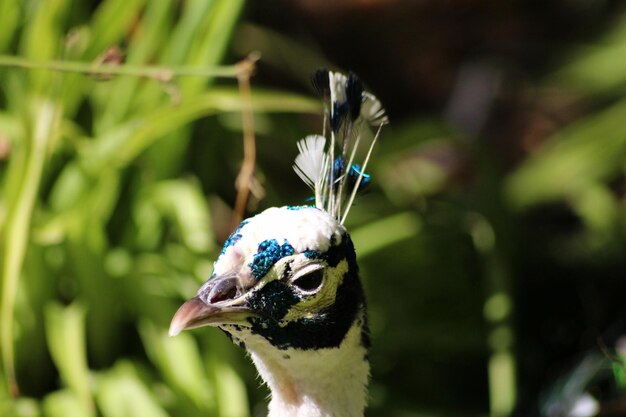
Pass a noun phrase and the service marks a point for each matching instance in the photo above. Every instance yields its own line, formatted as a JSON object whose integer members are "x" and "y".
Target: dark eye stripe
{"x": 326, "y": 330}
{"x": 274, "y": 300}
{"x": 286, "y": 272}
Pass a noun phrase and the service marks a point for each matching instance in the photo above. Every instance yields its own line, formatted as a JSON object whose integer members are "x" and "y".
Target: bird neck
{"x": 316, "y": 383}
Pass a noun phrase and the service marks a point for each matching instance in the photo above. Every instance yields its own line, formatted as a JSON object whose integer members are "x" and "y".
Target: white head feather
{"x": 312, "y": 163}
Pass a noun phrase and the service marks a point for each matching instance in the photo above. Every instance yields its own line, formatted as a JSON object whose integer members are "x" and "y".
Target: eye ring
{"x": 310, "y": 281}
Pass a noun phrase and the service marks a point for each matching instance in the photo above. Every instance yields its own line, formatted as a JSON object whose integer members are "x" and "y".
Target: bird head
{"x": 286, "y": 284}
{"x": 286, "y": 277}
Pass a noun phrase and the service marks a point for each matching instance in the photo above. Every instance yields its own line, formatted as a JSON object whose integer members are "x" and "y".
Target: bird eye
{"x": 310, "y": 281}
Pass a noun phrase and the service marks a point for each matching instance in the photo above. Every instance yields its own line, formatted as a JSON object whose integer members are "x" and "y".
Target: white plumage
{"x": 302, "y": 227}
{"x": 302, "y": 388}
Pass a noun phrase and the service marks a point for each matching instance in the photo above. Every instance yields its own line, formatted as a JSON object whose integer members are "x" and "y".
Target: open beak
{"x": 221, "y": 307}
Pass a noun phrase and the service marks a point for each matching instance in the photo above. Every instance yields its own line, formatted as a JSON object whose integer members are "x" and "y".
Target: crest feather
{"x": 331, "y": 172}
{"x": 372, "y": 110}
{"x": 310, "y": 164}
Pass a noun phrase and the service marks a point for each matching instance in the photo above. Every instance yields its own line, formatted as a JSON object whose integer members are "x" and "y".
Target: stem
{"x": 358, "y": 181}
{"x": 246, "y": 173}
{"x": 159, "y": 73}
{"x": 17, "y": 230}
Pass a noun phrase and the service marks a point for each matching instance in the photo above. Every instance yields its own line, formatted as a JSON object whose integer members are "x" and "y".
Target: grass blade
{"x": 121, "y": 393}
{"x": 65, "y": 331}
{"x": 25, "y": 175}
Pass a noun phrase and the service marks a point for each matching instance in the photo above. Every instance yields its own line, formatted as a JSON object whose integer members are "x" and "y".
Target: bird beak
{"x": 223, "y": 305}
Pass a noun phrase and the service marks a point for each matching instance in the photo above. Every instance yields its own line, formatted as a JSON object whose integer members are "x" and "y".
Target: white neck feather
{"x": 322, "y": 383}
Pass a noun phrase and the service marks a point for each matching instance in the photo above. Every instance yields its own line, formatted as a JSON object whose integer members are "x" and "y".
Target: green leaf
{"x": 598, "y": 207}
{"x": 121, "y": 92}
{"x": 597, "y": 68}
{"x": 22, "y": 184}
{"x": 42, "y": 38}
{"x": 186, "y": 30}
{"x": 121, "y": 393}
{"x": 590, "y": 150}
{"x": 9, "y": 20}
{"x": 184, "y": 202}
{"x": 65, "y": 403}
{"x": 180, "y": 362}
{"x": 208, "y": 48}
{"x": 388, "y": 231}
{"x": 118, "y": 147}
{"x": 111, "y": 23}
{"x": 65, "y": 332}
{"x": 231, "y": 392}
{"x": 19, "y": 407}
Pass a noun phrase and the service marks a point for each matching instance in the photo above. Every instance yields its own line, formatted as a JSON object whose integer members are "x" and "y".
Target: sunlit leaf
{"x": 180, "y": 362}
{"x": 110, "y": 23}
{"x": 184, "y": 202}
{"x": 65, "y": 332}
{"x": 231, "y": 393}
{"x": 590, "y": 150}
{"x": 595, "y": 68}
{"x": 65, "y": 404}
{"x": 388, "y": 231}
{"x": 121, "y": 393}
{"x": 117, "y": 148}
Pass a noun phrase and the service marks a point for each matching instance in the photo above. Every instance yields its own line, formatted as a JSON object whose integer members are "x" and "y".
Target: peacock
{"x": 286, "y": 285}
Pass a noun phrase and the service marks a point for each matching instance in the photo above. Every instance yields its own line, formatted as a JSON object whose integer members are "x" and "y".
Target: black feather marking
{"x": 344, "y": 250}
{"x": 354, "y": 95}
{"x": 340, "y": 110}
{"x": 328, "y": 328}
{"x": 227, "y": 329}
{"x": 273, "y": 301}
{"x": 286, "y": 272}
{"x": 321, "y": 82}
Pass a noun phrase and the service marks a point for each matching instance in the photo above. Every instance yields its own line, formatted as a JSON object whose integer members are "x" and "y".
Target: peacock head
{"x": 288, "y": 277}
{"x": 286, "y": 283}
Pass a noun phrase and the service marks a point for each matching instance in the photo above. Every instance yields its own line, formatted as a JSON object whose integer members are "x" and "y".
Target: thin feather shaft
{"x": 347, "y": 135}
{"x": 346, "y": 168}
{"x": 331, "y": 179}
{"x": 320, "y": 187}
{"x": 358, "y": 181}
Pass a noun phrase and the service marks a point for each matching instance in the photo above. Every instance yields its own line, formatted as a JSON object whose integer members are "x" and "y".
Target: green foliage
{"x": 65, "y": 331}
{"x": 103, "y": 229}
{"x": 112, "y": 210}
{"x": 579, "y": 162}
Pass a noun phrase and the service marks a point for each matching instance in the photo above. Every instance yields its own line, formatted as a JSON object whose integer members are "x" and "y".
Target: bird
{"x": 286, "y": 284}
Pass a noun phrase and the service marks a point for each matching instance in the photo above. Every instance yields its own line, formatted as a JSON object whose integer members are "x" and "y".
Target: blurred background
{"x": 492, "y": 243}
